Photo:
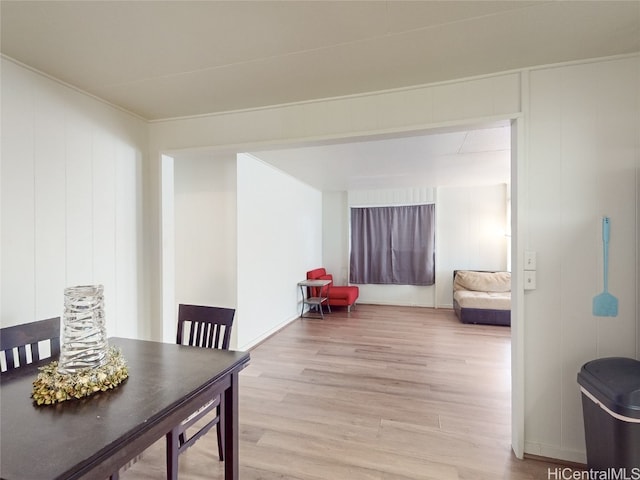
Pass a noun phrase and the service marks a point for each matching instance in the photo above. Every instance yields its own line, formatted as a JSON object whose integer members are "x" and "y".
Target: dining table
{"x": 93, "y": 437}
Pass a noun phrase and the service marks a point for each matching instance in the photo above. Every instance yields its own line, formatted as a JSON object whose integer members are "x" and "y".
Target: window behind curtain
{"x": 393, "y": 245}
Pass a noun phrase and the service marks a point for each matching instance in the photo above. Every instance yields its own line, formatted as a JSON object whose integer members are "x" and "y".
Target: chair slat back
{"x": 25, "y": 340}
{"x": 208, "y": 327}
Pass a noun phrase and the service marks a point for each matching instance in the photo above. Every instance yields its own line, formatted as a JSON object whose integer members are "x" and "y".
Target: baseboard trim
{"x": 555, "y": 454}
{"x": 558, "y": 461}
{"x": 254, "y": 343}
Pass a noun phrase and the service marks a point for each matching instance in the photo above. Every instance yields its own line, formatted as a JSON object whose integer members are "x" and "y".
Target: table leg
{"x": 172, "y": 454}
{"x": 231, "y": 428}
{"x": 220, "y": 428}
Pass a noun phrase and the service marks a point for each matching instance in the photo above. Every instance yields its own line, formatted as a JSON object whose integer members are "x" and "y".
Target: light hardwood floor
{"x": 382, "y": 393}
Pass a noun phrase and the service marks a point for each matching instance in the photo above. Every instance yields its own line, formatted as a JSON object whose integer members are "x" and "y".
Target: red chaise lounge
{"x": 339, "y": 296}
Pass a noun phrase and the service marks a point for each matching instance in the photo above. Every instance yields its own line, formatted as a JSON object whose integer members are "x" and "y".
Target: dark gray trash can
{"x": 611, "y": 407}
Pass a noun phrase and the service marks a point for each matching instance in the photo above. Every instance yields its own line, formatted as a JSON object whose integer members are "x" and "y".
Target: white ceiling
{"x": 167, "y": 59}
{"x": 163, "y": 59}
{"x": 435, "y": 159}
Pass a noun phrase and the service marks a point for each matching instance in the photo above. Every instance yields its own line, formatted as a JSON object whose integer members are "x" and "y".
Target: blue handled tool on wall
{"x": 605, "y": 304}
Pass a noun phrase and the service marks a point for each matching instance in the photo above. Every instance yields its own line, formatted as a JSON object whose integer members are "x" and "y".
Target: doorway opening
{"x": 357, "y": 142}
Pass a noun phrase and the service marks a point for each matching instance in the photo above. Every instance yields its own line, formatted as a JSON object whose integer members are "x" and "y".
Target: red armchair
{"x": 339, "y": 296}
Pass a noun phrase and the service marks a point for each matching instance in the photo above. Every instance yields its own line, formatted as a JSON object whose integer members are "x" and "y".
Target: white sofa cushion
{"x": 483, "y": 300}
{"x": 483, "y": 281}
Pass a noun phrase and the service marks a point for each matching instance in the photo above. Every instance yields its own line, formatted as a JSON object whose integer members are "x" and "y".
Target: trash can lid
{"x": 614, "y": 381}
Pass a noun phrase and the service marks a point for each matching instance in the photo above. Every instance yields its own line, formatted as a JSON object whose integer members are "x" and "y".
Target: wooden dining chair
{"x": 207, "y": 327}
{"x": 25, "y": 341}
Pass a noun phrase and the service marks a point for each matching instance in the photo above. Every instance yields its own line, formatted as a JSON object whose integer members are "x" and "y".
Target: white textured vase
{"x": 84, "y": 336}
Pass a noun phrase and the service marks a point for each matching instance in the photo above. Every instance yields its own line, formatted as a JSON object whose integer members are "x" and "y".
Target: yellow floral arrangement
{"x": 53, "y": 387}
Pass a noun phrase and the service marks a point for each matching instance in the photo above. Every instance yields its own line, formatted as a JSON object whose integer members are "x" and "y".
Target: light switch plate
{"x": 529, "y": 260}
{"x": 529, "y": 280}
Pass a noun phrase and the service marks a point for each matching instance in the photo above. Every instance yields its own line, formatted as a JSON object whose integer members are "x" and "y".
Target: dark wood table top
{"x": 93, "y": 436}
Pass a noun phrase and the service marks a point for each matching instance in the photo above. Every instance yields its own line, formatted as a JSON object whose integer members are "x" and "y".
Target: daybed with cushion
{"x": 482, "y": 297}
{"x": 339, "y": 296}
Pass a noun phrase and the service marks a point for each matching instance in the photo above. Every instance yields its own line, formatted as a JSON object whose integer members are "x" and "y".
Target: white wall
{"x": 555, "y": 212}
{"x": 471, "y": 228}
{"x": 335, "y": 236}
{"x": 205, "y": 231}
{"x": 470, "y": 233}
{"x": 245, "y": 233}
{"x": 71, "y": 202}
{"x": 584, "y": 158}
{"x": 279, "y": 239}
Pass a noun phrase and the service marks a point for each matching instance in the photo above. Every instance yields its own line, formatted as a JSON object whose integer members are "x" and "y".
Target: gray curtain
{"x": 393, "y": 245}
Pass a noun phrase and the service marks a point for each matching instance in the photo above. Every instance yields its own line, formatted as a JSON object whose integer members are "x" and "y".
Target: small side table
{"x": 315, "y": 301}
